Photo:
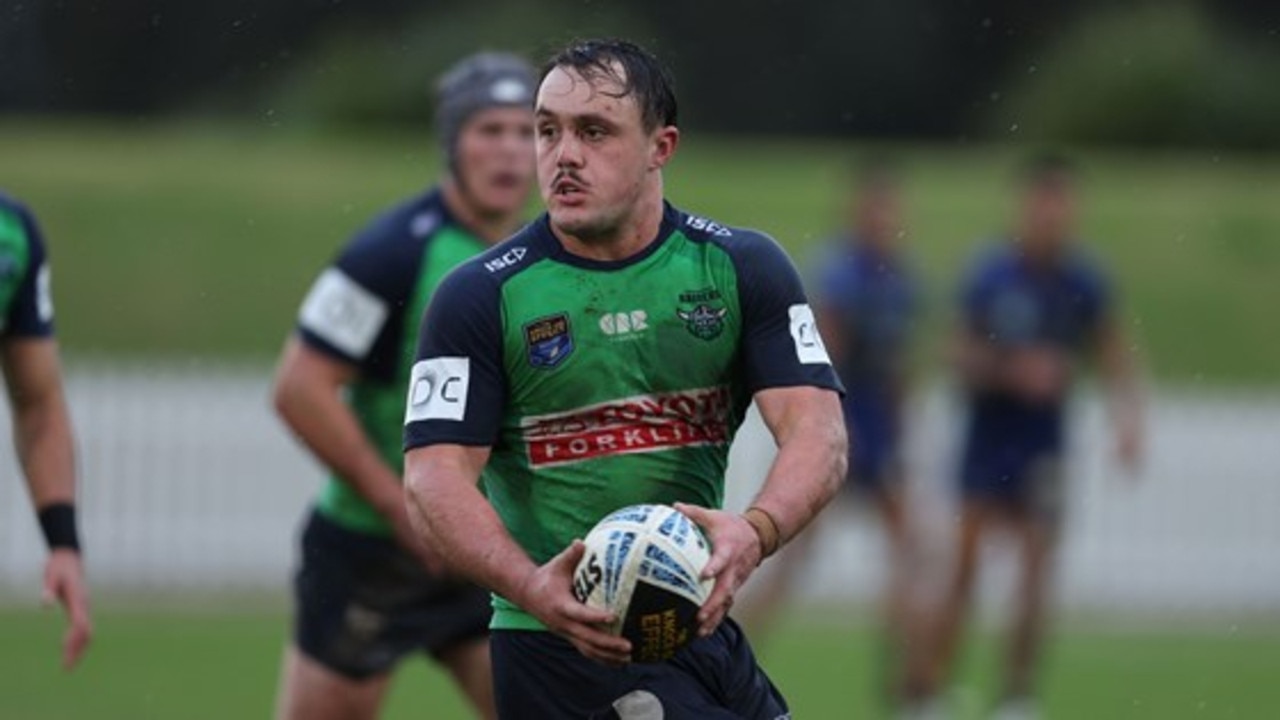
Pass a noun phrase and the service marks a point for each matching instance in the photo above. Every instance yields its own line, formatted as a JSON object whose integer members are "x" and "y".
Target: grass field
{"x": 200, "y": 239}
{"x": 195, "y": 665}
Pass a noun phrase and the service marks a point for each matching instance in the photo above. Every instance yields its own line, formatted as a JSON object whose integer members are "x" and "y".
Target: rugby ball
{"x": 643, "y": 564}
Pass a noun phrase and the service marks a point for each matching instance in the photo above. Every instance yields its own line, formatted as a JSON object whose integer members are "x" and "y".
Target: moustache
{"x": 568, "y": 175}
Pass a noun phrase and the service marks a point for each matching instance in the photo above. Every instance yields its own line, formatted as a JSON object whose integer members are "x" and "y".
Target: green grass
{"x": 197, "y": 664}
{"x": 201, "y": 239}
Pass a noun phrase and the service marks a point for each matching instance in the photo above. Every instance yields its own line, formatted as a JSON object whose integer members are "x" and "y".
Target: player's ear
{"x": 665, "y": 140}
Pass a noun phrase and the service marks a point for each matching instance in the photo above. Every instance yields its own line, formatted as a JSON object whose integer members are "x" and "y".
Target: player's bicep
{"x": 457, "y": 387}
{"x": 444, "y": 463}
{"x": 32, "y": 371}
{"x": 302, "y": 365}
{"x": 791, "y": 412}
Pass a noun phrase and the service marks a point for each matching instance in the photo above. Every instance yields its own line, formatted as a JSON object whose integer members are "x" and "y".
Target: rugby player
{"x": 42, "y": 423}
{"x": 604, "y": 356}
{"x": 367, "y": 591}
{"x": 865, "y": 299}
{"x": 1034, "y": 305}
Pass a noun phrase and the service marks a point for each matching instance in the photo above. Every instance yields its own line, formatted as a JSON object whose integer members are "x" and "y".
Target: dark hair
{"x": 635, "y": 69}
{"x": 1047, "y": 169}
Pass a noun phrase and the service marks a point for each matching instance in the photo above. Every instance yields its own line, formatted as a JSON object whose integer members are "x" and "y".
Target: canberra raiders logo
{"x": 703, "y": 313}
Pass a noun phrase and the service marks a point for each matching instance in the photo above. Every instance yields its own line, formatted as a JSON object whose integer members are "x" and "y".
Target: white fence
{"x": 191, "y": 485}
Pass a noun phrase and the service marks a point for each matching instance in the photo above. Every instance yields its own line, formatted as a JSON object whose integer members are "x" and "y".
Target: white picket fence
{"x": 191, "y": 487}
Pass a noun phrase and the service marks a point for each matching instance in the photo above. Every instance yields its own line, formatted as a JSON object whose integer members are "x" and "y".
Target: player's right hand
{"x": 735, "y": 554}
{"x": 64, "y": 583}
{"x": 547, "y": 594}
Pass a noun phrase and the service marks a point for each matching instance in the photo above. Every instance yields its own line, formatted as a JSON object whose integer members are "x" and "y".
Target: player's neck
{"x": 1039, "y": 252}
{"x": 632, "y": 235}
{"x": 489, "y": 227}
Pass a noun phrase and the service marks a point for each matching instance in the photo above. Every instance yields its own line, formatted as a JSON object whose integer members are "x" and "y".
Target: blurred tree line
{"x": 1158, "y": 73}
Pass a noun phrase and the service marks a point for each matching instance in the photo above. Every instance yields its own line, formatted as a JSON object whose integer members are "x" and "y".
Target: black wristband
{"x": 58, "y": 522}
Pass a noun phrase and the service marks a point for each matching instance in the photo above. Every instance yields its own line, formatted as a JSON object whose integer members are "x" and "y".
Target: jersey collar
{"x": 670, "y": 221}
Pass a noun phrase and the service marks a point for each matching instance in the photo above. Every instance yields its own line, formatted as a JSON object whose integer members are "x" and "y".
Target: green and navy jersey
{"x": 365, "y": 309}
{"x": 605, "y": 384}
{"x": 26, "y": 305}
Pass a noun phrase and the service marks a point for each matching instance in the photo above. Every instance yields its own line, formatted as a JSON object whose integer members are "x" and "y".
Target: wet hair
{"x": 637, "y": 71}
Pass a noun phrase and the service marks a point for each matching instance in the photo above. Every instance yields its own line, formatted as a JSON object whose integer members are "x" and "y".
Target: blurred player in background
{"x": 604, "y": 357}
{"x": 368, "y": 592}
{"x": 41, "y": 422}
{"x": 1033, "y": 306}
{"x": 865, "y": 299}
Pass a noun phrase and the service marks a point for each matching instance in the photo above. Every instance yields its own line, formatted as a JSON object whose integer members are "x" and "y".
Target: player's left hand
{"x": 735, "y": 554}
{"x": 64, "y": 583}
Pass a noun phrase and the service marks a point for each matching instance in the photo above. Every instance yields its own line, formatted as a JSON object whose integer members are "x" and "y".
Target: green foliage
{"x": 377, "y": 73}
{"x": 1152, "y": 74}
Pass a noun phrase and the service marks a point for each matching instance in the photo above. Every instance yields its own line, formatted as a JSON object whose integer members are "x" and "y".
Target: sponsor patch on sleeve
{"x": 344, "y": 314}
{"x": 44, "y": 294}
{"x": 804, "y": 332}
{"x": 438, "y": 389}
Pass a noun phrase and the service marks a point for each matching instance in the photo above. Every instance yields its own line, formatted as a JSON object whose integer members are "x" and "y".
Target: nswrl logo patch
{"x": 703, "y": 312}
{"x": 548, "y": 340}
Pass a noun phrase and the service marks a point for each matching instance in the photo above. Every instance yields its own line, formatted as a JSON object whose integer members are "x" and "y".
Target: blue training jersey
{"x": 1011, "y": 304}
{"x": 874, "y": 297}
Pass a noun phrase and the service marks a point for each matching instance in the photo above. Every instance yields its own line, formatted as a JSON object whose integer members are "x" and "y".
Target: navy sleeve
{"x": 780, "y": 342}
{"x": 31, "y": 309}
{"x": 353, "y": 311}
{"x": 457, "y": 389}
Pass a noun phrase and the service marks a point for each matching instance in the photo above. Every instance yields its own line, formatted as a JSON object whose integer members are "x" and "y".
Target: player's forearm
{"x": 453, "y": 517}
{"x": 329, "y": 429}
{"x": 1120, "y": 372}
{"x": 42, "y": 438}
{"x": 810, "y": 466}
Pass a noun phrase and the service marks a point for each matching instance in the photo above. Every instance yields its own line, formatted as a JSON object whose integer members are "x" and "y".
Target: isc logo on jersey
{"x": 709, "y": 226}
{"x": 507, "y": 259}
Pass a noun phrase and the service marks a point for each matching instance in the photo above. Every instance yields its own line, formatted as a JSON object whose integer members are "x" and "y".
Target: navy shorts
{"x": 874, "y": 462}
{"x": 540, "y": 676}
{"x": 1035, "y": 485}
{"x": 363, "y": 603}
